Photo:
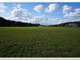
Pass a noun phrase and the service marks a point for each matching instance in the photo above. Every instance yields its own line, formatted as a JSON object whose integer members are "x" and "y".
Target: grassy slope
{"x": 39, "y": 42}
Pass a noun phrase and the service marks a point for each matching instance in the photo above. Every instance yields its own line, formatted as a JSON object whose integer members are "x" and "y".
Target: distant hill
{"x": 69, "y": 24}
{"x": 5, "y": 22}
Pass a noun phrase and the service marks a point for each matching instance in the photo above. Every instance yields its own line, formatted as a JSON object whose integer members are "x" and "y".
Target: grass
{"x": 39, "y": 42}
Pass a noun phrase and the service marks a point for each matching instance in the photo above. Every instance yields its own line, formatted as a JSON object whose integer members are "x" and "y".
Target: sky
{"x": 45, "y": 13}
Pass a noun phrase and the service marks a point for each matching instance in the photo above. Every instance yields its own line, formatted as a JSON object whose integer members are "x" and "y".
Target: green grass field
{"x": 39, "y": 42}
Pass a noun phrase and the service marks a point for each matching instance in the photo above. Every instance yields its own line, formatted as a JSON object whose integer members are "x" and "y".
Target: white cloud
{"x": 2, "y": 8}
{"x": 66, "y": 9}
{"x": 74, "y": 14}
{"x": 36, "y": 19}
{"x": 23, "y": 15}
{"x": 45, "y": 20}
{"x": 38, "y": 8}
{"x": 20, "y": 14}
{"x": 77, "y": 10}
{"x": 52, "y": 7}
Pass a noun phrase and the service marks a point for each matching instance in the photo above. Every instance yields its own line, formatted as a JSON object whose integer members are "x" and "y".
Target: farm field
{"x": 39, "y": 42}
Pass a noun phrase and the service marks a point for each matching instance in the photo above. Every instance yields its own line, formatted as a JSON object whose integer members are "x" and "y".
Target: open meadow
{"x": 39, "y": 42}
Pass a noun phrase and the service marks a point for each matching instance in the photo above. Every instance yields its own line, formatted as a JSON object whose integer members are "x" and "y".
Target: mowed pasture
{"x": 39, "y": 42}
